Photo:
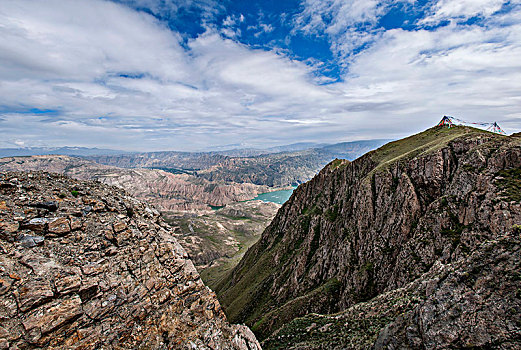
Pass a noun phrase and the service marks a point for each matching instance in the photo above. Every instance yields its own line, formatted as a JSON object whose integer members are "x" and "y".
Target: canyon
{"x": 416, "y": 244}
{"x": 165, "y": 190}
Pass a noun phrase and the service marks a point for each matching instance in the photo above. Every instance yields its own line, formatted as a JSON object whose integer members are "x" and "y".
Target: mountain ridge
{"x": 362, "y": 228}
{"x": 276, "y": 169}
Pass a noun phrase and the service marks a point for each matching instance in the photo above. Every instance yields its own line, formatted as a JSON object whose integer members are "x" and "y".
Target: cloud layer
{"x": 97, "y": 73}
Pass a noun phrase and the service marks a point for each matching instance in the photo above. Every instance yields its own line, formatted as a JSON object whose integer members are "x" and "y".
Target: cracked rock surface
{"x": 85, "y": 266}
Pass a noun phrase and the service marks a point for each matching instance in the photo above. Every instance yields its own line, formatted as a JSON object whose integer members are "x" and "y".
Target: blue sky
{"x": 195, "y": 75}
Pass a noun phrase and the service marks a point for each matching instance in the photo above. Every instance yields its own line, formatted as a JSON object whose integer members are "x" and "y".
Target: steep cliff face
{"x": 472, "y": 303}
{"x": 85, "y": 266}
{"x": 361, "y": 229}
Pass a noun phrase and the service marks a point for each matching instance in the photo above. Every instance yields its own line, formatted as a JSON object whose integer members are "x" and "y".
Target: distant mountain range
{"x": 66, "y": 151}
{"x": 250, "y": 152}
{"x": 275, "y": 169}
{"x": 236, "y": 152}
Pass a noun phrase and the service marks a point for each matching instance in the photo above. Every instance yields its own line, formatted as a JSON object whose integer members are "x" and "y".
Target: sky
{"x": 196, "y": 75}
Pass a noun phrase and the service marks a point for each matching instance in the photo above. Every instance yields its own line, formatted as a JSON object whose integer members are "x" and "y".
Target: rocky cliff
{"x": 472, "y": 303}
{"x": 85, "y": 266}
{"x": 359, "y": 230}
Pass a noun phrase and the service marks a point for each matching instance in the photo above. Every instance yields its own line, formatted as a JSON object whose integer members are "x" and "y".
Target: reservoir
{"x": 279, "y": 197}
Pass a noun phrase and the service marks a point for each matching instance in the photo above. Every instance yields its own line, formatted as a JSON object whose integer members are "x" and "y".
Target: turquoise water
{"x": 217, "y": 207}
{"x": 279, "y": 197}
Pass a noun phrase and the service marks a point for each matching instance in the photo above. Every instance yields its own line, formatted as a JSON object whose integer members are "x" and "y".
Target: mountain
{"x": 211, "y": 237}
{"x": 68, "y": 151}
{"x": 281, "y": 169}
{"x": 165, "y": 190}
{"x": 167, "y": 160}
{"x": 299, "y": 146}
{"x": 86, "y": 266}
{"x": 402, "y": 242}
{"x": 252, "y": 152}
{"x": 271, "y": 169}
{"x": 472, "y": 303}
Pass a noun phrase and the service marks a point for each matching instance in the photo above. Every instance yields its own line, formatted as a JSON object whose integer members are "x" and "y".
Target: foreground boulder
{"x": 85, "y": 266}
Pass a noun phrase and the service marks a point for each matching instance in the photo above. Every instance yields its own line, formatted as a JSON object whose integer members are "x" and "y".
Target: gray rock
{"x": 29, "y": 241}
{"x": 371, "y": 226}
{"x": 49, "y": 205}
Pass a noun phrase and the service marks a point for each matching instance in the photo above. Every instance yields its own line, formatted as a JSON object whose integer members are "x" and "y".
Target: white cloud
{"x": 92, "y": 59}
{"x": 121, "y": 79}
{"x": 463, "y": 9}
{"x": 335, "y": 16}
{"x": 349, "y": 24}
{"x": 415, "y": 76}
{"x": 469, "y": 71}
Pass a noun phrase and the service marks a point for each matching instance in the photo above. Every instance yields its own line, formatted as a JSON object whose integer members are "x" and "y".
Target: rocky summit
{"x": 415, "y": 245}
{"x": 85, "y": 266}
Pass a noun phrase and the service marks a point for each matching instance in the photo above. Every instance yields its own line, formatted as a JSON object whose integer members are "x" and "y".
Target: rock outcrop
{"x": 472, "y": 303}
{"x": 85, "y": 266}
{"x": 361, "y": 229}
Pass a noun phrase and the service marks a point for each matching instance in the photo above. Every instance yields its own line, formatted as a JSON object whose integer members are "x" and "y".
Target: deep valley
{"x": 391, "y": 250}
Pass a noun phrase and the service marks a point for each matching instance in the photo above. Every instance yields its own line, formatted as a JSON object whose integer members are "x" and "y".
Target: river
{"x": 279, "y": 197}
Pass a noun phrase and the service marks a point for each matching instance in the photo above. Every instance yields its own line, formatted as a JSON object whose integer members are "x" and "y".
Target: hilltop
{"x": 358, "y": 230}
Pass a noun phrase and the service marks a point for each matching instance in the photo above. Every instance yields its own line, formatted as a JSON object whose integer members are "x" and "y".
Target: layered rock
{"x": 85, "y": 266}
{"x": 287, "y": 166}
{"x": 166, "y": 191}
{"x": 361, "y": 229}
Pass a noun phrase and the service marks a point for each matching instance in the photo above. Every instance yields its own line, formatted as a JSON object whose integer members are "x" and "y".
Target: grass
{"x": 338, "y": 164}
{"x": 314, "y": 210}
{"x": 332, "y": 213}
{"x": 213, "y": 275}
{"x": 509, "y": 182}
{"x": 425, "y": 142}
{"x": 355, "y": 328}
{"x": 322, "y": 332}
{"x": 244, "y": 300}
{"x": 294, "y": 308}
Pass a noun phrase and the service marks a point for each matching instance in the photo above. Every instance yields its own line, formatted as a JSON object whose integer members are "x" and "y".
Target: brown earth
{"x": 164, "y": 190}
